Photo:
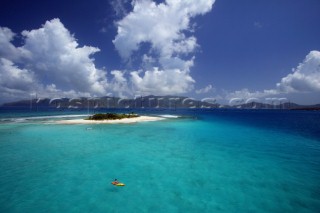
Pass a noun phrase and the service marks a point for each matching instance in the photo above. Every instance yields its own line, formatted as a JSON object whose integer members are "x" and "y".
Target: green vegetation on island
{"x": 111, "y": 116}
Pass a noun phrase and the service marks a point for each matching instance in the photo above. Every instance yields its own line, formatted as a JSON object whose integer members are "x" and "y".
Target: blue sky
{"x": 223, "y": 49}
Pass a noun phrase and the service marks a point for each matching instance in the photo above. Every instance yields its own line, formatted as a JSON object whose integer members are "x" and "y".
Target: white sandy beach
{"x": 125, "y": 120}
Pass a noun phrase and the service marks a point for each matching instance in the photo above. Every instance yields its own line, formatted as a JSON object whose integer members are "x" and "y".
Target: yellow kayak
{"x": 118, "y": 184}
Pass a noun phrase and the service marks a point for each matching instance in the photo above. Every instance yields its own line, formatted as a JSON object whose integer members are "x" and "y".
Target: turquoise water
{"x": 213, "y": 163}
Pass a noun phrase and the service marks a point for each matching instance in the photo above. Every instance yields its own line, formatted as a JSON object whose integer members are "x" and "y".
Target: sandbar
{"x": 119, "y": 121}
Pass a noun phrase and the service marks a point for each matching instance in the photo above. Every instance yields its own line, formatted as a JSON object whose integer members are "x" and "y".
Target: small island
{"x": 111, "y": 116}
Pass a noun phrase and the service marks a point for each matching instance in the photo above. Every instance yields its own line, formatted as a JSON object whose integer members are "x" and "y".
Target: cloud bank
{"x": 302, "y": 85}
{"x": 51, "y": 62}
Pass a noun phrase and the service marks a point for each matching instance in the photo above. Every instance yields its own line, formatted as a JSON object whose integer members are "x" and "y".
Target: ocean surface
{"x": 193, "y": 161}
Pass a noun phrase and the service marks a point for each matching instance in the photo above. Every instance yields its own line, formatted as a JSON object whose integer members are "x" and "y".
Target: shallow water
{"x": 218, "y": 162}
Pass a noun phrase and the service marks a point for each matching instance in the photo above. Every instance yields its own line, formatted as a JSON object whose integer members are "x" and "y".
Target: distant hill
{"x": 310, "y": 107}
{"x": 151, "y": 101}
{"x": 288, "y": 106}
{"x": 115, "y": 102}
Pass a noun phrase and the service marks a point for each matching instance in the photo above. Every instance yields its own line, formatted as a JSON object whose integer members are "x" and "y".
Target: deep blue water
{"x": 203, "y": 161}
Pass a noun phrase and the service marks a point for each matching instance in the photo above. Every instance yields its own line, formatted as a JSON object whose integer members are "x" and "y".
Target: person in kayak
{"x": 115, "y": 182}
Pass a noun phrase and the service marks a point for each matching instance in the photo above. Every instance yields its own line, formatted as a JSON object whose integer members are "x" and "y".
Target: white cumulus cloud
{"x": 57, "y": 58}
{"x": 50, "y": 61}
{"x": 164, "y": 27}
{"x": 302, "y": 85}
{"x": 14, "y": 79}
{"x": 7, "y": 49}
{"x": 305, "y": 78}
{"x": 119, "y": 84}
{"x": 161, "y": 82}
{"x": 206, "y": 89}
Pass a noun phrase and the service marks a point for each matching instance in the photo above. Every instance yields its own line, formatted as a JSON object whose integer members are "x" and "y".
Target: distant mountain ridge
{"x": 150, "y": 101}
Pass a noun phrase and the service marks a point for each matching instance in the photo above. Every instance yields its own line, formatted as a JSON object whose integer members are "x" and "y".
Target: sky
{"x": 229, "y": 50}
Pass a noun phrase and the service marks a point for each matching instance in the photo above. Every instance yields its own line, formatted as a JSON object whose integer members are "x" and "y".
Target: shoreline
{"x": 124, "y": 120}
